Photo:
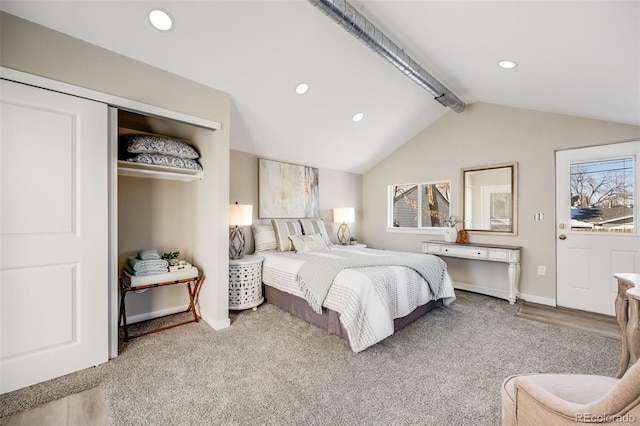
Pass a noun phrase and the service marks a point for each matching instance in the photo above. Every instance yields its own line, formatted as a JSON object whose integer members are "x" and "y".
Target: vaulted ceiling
{"x": 580, "y": 58}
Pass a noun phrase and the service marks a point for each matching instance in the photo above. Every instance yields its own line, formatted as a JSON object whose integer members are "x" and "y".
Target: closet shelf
{"x": 128, "y": 168}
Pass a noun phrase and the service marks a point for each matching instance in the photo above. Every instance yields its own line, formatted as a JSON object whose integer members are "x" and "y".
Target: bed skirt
{"x": 330, "y": 320}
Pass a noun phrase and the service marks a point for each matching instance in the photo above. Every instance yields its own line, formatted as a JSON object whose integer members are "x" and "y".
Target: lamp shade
{"x": 240, "y": 214}
{"x": 344, "y": 215}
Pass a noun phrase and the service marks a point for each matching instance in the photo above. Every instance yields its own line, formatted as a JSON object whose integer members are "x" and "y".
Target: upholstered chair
{"x": 570, "y": 399}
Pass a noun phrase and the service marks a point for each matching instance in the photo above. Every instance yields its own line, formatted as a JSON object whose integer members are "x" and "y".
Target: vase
{"x": 450, "y": 235}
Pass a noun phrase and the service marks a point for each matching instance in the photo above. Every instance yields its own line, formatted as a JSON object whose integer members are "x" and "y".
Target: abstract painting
{"x": 287, "y": 190}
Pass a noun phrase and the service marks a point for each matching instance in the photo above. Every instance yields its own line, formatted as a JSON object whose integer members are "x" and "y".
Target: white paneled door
{"x": 54, "y": 235}
{"x": 597, "y": 231}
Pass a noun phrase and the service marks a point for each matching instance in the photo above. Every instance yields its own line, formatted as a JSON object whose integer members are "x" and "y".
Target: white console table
{"x": 488, "y": 252}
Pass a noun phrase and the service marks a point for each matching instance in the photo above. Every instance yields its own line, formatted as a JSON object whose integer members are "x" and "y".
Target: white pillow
{"x": 315, "y": 226}
{"x": 283, "y": 229}
{"x": 264, "y": 237}
{"x": 304, "y": 243}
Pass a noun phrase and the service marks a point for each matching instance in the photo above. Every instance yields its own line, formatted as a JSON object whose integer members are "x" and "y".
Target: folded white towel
{"x": 149, "y": 254}
{"x": 140, "y": 265}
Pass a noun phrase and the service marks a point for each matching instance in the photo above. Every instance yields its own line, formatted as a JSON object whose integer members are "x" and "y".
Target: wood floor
{"x": 86, "y": 408}
{"x": 603, "y": 325}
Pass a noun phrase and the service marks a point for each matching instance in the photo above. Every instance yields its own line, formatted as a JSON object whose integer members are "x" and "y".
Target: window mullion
{"x": 419, "y": 209}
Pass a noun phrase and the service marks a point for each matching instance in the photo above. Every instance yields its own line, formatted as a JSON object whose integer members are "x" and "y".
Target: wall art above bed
{"x": 287, "y": 190}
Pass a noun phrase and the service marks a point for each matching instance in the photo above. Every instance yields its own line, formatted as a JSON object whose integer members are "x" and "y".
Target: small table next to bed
{"x": 245, "y": 283}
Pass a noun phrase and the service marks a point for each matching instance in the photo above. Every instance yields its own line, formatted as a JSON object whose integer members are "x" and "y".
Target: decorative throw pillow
{"x": 315, "y": 226}
{"x": 283, "y": 229}
{"x": 304, "y": 243}
{"x": 149, "y": 144}
{"x": 264, "y": 237}
{"x": 166, "y": 160}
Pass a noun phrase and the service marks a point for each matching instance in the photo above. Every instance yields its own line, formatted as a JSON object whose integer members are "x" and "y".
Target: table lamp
{"x": 239, "y": 215}
{"x": 344, "y": 215}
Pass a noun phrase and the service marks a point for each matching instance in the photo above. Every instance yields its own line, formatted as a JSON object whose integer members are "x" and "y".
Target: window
{"x": 602, "y": 196}
{"x": 419, "y": 205}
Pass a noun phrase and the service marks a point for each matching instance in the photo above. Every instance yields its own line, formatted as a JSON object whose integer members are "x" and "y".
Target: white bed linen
{"x": 367, "y": 314}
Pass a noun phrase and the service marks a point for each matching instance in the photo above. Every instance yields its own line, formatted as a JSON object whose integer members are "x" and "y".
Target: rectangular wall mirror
{"x": 490, "y": 199}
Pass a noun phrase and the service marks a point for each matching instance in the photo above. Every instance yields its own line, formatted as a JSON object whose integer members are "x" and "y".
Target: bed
{"x": 366, "y": 302}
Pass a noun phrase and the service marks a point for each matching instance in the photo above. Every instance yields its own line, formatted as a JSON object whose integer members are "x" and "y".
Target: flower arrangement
{"x": 451, "y": 221}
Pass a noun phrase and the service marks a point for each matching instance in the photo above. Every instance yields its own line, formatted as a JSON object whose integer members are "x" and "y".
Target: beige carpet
{"x": 270, "y": 368}
{"x": 86, "y": 408}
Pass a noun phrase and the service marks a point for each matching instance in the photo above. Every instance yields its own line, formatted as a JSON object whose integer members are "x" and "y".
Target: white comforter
{"x": 367, "y": 299}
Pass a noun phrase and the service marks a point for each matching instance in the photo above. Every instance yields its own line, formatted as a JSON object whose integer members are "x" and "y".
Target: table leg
{"x": 633, "y": 330}
{"x": 621, "y": 306}
{"x": 514, "y": 278}
{"x": 191, "y": 299}
{"x": 123, "y": 314}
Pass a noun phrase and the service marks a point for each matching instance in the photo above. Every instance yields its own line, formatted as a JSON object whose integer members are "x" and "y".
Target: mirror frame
{"x": 514, "y": 196}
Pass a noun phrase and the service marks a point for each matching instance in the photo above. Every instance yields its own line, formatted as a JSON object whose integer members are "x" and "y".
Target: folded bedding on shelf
{"x": 139, "y": 267}
{"x": 137, "y": 280}
{"x": 149, "y": 254}
{"x": 138, "y": 264}
{"x": 167, "y": 161}
{"x": 142, "y": 273}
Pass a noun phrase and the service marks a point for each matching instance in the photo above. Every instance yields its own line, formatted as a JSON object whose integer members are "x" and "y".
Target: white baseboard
{"x": 539, "y": 300}
{"x": 156, "y": 314}
{"x": 217, "y": 325}
{"x": 475, "y": 288}
{"x": 503, "y": 294}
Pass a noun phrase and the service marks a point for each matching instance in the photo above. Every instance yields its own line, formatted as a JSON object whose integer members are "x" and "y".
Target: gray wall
{"x": 489, "y": 134}
{"x": 337, "y": 189}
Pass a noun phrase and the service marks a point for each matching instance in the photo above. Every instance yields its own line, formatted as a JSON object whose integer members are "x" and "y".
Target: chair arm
{"x": 535, "y": 405}
{"x": 577, "y": 398}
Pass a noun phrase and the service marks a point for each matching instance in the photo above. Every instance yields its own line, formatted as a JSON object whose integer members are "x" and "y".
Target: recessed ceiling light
{"x": 302, "y": 88}
{"x": 507, "y": 64}
{"x": 161, "y": 20}
{"x": 357, "y": 116}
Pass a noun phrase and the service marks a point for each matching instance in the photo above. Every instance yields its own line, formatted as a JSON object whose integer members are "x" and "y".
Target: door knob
{"x": 562, "y": 237}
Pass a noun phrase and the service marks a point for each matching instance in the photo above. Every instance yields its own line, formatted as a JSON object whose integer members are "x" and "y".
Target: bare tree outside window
{"x": 602, "y": 196}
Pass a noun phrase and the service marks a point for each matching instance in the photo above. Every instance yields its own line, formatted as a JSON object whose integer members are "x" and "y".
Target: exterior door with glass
{"x": 597, "y": 223}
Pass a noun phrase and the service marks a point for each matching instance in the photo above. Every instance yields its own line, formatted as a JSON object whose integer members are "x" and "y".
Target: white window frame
{"x": 431, "y": 230}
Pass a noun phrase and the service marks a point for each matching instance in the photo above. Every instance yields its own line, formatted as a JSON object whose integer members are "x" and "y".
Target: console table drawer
{"x": 499, "y": 255}
{"x": 429, "y": 248}
{"x": 479, "y": 253}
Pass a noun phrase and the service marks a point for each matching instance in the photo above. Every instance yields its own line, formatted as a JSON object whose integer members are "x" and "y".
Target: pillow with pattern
{"x": 149, "y": 144}
{"x": 315, "y": 226}
{"x": 264, "y": 237}
{"x": 283, "y": 229}
{"x": 306, "y": 243}
{"x": 166, "y": 160}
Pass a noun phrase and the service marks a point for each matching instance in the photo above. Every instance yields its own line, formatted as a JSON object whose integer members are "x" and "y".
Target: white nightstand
{"x": 245, "y": 283}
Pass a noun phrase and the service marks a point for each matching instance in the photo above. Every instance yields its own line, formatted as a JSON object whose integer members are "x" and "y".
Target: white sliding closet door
{"x": 54, "y": 235}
